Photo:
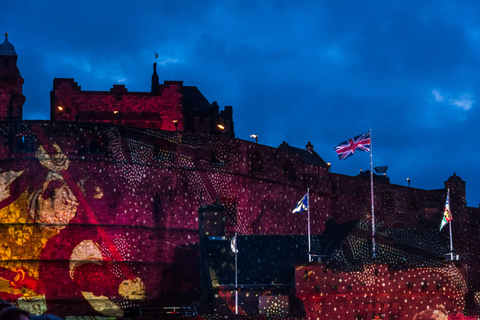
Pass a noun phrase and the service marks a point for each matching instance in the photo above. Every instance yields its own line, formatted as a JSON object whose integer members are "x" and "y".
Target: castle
{"x": 127, "y": 201}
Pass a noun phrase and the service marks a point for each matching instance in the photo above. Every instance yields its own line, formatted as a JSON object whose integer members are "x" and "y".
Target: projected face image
{"x": 34, "y": 223}
{"x": 55, "y": 205}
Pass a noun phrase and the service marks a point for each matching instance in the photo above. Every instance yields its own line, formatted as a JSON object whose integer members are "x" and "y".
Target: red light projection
{"x": 35, "y": 228}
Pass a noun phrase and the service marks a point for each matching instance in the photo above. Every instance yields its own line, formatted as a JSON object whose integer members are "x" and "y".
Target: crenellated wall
{"x": 118, "y": 106}
{"x": 172, "y": 107}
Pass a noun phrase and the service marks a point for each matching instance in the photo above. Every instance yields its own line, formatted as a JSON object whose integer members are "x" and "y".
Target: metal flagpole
{"x": 236, "y": 279}
{"x": 308, "y": 217}
{"x": 371, "y": 195}
{"x": 450, "y": 224}
{"x": 451, "y": 241}
{"x": 447, "y": 216}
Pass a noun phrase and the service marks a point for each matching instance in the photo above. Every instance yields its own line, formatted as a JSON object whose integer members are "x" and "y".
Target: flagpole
{"x": 371, "y": 195}
{"x": 451, "y": 241}
{"x": 450, "y": 224}
{"x": 308, "y": 217}
{"x": 236, "y": 279}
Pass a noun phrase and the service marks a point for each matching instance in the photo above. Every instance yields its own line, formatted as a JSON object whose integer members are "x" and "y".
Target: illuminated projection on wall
{"x": 36, "y": 221}
{"x": 93, "y": 217}
{"x": 46, "y": 252}
{"x": 101, "y": 219}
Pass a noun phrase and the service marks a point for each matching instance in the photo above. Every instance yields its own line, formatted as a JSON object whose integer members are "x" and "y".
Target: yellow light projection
{"x": 27, "y": 224}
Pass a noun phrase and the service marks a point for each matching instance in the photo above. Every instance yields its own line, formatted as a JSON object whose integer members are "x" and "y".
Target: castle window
{"x": 255, "y": 162}
{"x": 215, "y": 159}
{"x": 29, "y": 143}
{"x": 288, "y": 170}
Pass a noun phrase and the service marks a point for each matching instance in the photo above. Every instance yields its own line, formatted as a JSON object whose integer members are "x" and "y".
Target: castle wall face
{"x": 158, "y": 111}
{"x": 171, "y": 107}
{"x": 99, "y": 218}
{"x": 95, "y": 217}
{"x": 378, "y": 291}
{"x": 397, "y": 206}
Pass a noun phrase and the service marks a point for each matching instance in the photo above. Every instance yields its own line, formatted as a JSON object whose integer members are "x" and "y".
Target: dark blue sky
{"x": 294, "y": 71}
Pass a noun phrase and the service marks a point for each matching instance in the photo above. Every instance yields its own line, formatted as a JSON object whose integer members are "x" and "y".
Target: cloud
{"x": 98, "y": 68}
{"x": 465, "y": 101}
{"x": 165, "y": 61}
{"x": 438, "y": 96}
{"x": 317, "y": 71}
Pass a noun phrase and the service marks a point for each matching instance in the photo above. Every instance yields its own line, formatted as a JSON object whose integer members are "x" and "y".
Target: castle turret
{"x": 11, "y": 83}
{"x": 457, "y": 190}
{"x": 458, "y": 207}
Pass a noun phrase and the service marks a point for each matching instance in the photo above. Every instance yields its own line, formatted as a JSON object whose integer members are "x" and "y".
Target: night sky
{"x": 294, "y": 71}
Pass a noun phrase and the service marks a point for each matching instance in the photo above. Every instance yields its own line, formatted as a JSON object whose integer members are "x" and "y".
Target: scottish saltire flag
{"x": 302, "y": 204}
{"x": 233, "y": 244}
{"x": 447, "y": 214}
{"x": 348, "y": 148}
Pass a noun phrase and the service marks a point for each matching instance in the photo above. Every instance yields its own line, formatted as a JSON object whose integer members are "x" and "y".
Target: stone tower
{"x": 457, "y": 191}
{"x": 11, "y": 83}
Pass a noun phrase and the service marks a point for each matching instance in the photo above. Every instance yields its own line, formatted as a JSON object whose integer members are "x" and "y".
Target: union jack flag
{"x": 348, "y": 148}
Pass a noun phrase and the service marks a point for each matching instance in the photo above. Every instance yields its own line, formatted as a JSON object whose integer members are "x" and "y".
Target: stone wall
{"x": 118, "y": 106}
{"x": 101, "y": 218}
{"x": 392, "y": 294}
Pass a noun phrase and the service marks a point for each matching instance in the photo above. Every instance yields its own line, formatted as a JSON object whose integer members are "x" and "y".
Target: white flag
{"x": 233, "y": 244}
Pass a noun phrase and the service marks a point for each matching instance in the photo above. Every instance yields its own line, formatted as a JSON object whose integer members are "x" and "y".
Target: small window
{"x": 255, "y": 162}
{"x": 288, "y": 170}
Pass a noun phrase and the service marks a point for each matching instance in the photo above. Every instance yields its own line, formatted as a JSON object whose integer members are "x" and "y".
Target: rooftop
{"x": 6, "y": 48}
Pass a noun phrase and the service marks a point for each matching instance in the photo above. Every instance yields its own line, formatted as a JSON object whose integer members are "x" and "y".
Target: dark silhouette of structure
{"x": 11, "y": 83}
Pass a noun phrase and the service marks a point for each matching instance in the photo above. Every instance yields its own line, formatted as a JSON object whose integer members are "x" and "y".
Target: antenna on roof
{"x": 381, "y": 169}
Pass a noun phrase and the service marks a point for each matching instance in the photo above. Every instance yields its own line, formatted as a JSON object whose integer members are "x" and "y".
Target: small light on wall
{"x": 221, "y": 127}
{"x": 60, "y": 108}
{"x": 115, "y": 112}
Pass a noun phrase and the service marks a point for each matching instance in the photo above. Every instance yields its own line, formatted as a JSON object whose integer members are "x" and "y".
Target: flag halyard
{"x": 347, "y": 148}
